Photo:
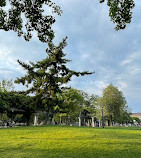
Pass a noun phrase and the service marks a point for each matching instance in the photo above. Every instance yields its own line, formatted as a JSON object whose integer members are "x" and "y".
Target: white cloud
{"x": 131, "y": 58}
{"x": 7, "y": 63}
{"x": 121, "y": 84}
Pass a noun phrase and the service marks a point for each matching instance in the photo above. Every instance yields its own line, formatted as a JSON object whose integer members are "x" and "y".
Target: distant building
{"x": 136, "y": 115}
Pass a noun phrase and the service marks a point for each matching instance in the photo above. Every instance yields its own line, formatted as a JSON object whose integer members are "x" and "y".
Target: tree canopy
{"x": 113, "y": 102}
{"x": 6, "y": 85}
{"x": 71, "y": 100}
{"x": 25, "y": 16}
{"x": 17, "y": 101}
{"x": 120, "y": 12}
{"x": 46, "y": 78}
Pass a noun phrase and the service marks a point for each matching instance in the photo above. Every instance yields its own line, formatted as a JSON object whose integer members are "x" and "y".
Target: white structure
{"x": 79, "y": 121}
{"x": 36, "y": 119}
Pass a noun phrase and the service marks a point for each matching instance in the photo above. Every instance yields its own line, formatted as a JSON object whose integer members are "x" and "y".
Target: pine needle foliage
{"x": 46, "y": 78}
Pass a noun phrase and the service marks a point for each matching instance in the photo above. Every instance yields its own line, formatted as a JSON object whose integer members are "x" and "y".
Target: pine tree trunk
{"x": 46, "y": 122}
{"x": 27, "y": 123}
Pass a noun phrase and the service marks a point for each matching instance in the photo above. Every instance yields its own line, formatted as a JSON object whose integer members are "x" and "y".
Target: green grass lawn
{"x": 70, "y": 142}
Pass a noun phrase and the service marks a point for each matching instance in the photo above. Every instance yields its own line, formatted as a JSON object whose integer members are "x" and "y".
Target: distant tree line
{"x": 71, "y": 104}
{"x": 12, "y": 103}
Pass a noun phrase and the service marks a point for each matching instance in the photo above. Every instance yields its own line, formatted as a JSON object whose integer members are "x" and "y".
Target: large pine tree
{"x": 46, "y": 78}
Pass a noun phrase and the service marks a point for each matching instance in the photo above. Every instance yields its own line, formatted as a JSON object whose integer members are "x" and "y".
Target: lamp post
{"x": 102, "y": 118}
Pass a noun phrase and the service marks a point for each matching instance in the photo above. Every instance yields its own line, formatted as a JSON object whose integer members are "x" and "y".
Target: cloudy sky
{"x": 93, "y": 45}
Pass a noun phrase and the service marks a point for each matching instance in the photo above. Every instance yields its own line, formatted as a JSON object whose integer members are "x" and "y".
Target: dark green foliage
{"x": 125, "y": 117}
{"x": 91, "y": 104}
{"x": 120, "y": 12}
{"x": 29, "y": 12}
{"x": 89, "y": 107}
{"x": 136, "y": 119}
{"x": 71, "y": 100}
{"x": 113, "y": 102}
{"x": 19, "y": 118}
{"x": 4, "y": 105}
{"x": 47, "y": 77}
{"x": 24, "y": 104}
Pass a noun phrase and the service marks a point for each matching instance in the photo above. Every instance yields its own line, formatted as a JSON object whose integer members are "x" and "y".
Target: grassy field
{"x": 70, "y": 142}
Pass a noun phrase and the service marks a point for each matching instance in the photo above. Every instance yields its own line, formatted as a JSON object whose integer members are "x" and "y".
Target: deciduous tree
{"x": 113, "y": 102}
{"x": 6, "y": 85}
{"x": 71, "y": 100}
{"x": 26, "y": 16}
{"x": 21, "y": 102}
{"x": 120, "y": 12}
